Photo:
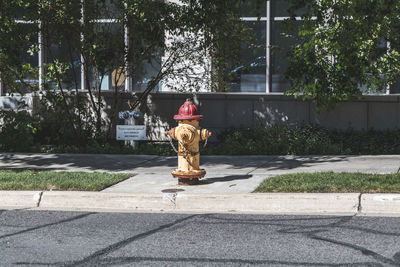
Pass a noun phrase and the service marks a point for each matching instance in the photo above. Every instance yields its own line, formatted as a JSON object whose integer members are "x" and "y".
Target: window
{"x": 108, "y": 57}
{"x": 29, "y": 57}
{"x": 54, "y": 49}
{"x": 62, "y": 53}
{"x": 264, "y": 70}
{"x": 278, "y": 61}
{"x": 23, "y": 57}
{"x": 144, "y": 73}
{"x": 251, "y": 75}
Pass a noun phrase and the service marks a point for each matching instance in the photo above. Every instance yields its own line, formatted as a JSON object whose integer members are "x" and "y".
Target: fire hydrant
{"x": 188, "y": 134}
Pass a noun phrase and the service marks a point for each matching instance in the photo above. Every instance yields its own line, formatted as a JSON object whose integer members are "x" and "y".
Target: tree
{"x": 343, "y": 47}
{"x": 189, "y": 43}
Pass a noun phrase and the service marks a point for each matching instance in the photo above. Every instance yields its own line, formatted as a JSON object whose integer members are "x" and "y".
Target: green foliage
{"x": 17, "y": 130}
{"x": 342, "y": 46}
{"x": 277, "y": 139}
{"x": 371, "y": 142}
{"x": 330, "y": 182}
{"x": 20, "y": 131}
{"x": 163, "y": 34}
{"x": 285, "y": 139}
{"x": 57, "y": 127}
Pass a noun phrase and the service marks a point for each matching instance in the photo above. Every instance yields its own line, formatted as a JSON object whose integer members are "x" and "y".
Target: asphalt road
{"x": 54, "y": 238}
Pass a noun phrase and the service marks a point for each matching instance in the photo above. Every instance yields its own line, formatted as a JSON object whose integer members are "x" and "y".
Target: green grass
{"x": 50, "y": 180}
{"x": 326, "y": 182}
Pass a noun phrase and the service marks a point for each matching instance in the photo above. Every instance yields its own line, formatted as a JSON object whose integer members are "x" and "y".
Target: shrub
{"x": 17, "y": 130}
{"x": 276, "y": 139}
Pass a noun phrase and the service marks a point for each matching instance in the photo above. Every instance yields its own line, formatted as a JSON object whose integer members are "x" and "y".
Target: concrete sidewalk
{"x": 225, "y": 174}
{"x": 227, "y": 186}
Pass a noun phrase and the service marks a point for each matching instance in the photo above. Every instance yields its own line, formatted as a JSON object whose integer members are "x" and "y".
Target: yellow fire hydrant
{"x": 188, "y": 134}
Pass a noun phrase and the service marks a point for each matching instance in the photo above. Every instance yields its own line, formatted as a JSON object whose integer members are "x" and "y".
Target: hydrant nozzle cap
{"x": 188, "y": 111}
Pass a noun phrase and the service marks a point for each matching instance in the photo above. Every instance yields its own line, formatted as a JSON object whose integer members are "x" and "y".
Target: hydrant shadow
{"x": 227, "y": 178}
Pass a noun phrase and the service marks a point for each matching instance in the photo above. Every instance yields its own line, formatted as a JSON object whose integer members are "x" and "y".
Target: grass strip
{"x": 330, "y": 182}
{"x": 51, "y": 180}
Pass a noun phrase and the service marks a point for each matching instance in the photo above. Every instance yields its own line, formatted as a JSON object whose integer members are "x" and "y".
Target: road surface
{"x": 55, "y": 238}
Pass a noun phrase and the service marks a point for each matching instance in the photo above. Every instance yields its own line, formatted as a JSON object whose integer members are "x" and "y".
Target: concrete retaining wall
{"x": 227, "y": 110}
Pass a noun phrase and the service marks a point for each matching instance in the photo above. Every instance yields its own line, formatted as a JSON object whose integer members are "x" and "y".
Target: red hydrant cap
{"x": 188, "y": 111}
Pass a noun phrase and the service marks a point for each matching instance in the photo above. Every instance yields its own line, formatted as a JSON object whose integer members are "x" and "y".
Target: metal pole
{"x": 83, "y": 73}
{"x": 388, "y": 45}
{"x": 268, "y": 49}
{"x": 41, "y": 57}
{"x": 1, "y": 86}
{"x": 126, "y": 47}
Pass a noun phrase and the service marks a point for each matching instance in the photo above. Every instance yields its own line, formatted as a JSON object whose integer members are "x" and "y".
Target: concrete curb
{"x": 380, "y": 204}
{"x": 270, "y": 203}
{"x": 180, "y": 202}
{"x": 20, "y": 199}
{"x": 183, "y": 202}
{"x": 100, "y": 200}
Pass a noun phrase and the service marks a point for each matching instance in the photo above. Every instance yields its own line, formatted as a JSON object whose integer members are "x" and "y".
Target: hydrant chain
{"x": 185, "y": 153}
{"x": 193, "y": 153}
{"x": 173, "y": 146}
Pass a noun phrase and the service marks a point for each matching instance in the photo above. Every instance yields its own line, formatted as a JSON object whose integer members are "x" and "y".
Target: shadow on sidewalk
{"x": 227, "y": 178}
{"x": 128, "y": 163}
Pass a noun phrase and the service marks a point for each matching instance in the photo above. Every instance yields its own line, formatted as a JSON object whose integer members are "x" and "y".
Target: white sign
{"x": 131, "y": 132}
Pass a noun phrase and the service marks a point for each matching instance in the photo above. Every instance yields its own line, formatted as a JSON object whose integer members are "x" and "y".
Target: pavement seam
{"x": 39, "y": 199}
{"x": 359, "y": 207}
{"x": 260, "y": 166}
{"x": 248, "y": 173}
{"x": 144, "y": 161}
{"x": 171, "y": 197}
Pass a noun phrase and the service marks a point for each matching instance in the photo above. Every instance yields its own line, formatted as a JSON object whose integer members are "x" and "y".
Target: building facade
{"x": 255, "y": 96}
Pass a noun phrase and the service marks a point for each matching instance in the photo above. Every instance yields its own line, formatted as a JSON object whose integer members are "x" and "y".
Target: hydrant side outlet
{"x": 188, "y": 134}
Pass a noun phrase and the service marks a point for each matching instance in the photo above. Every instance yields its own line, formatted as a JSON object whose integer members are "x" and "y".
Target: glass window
{"x": 279, "y": 8}
{"x": 28, "y": 60}
{"x": 61, "y": 45}
{"x": 253, "y": 8}
{"x": 108, "y": 57}
{"x": 62, "y": 54}
{"x": 250, "y": 76}
{"x": 25, "y": 10}
{"x": 144, "y": 73}
{"x": 395, "y": 88}
{"x": 280, "y": 45}
{"x": 104, "y": 9}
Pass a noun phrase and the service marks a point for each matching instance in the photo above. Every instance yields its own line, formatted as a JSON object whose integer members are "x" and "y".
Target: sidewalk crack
{"x": 259, "y": 166}
{"x": 38, "y": 198}
{"x": 359, "y": 207}
{"x": 171, "y": 197}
